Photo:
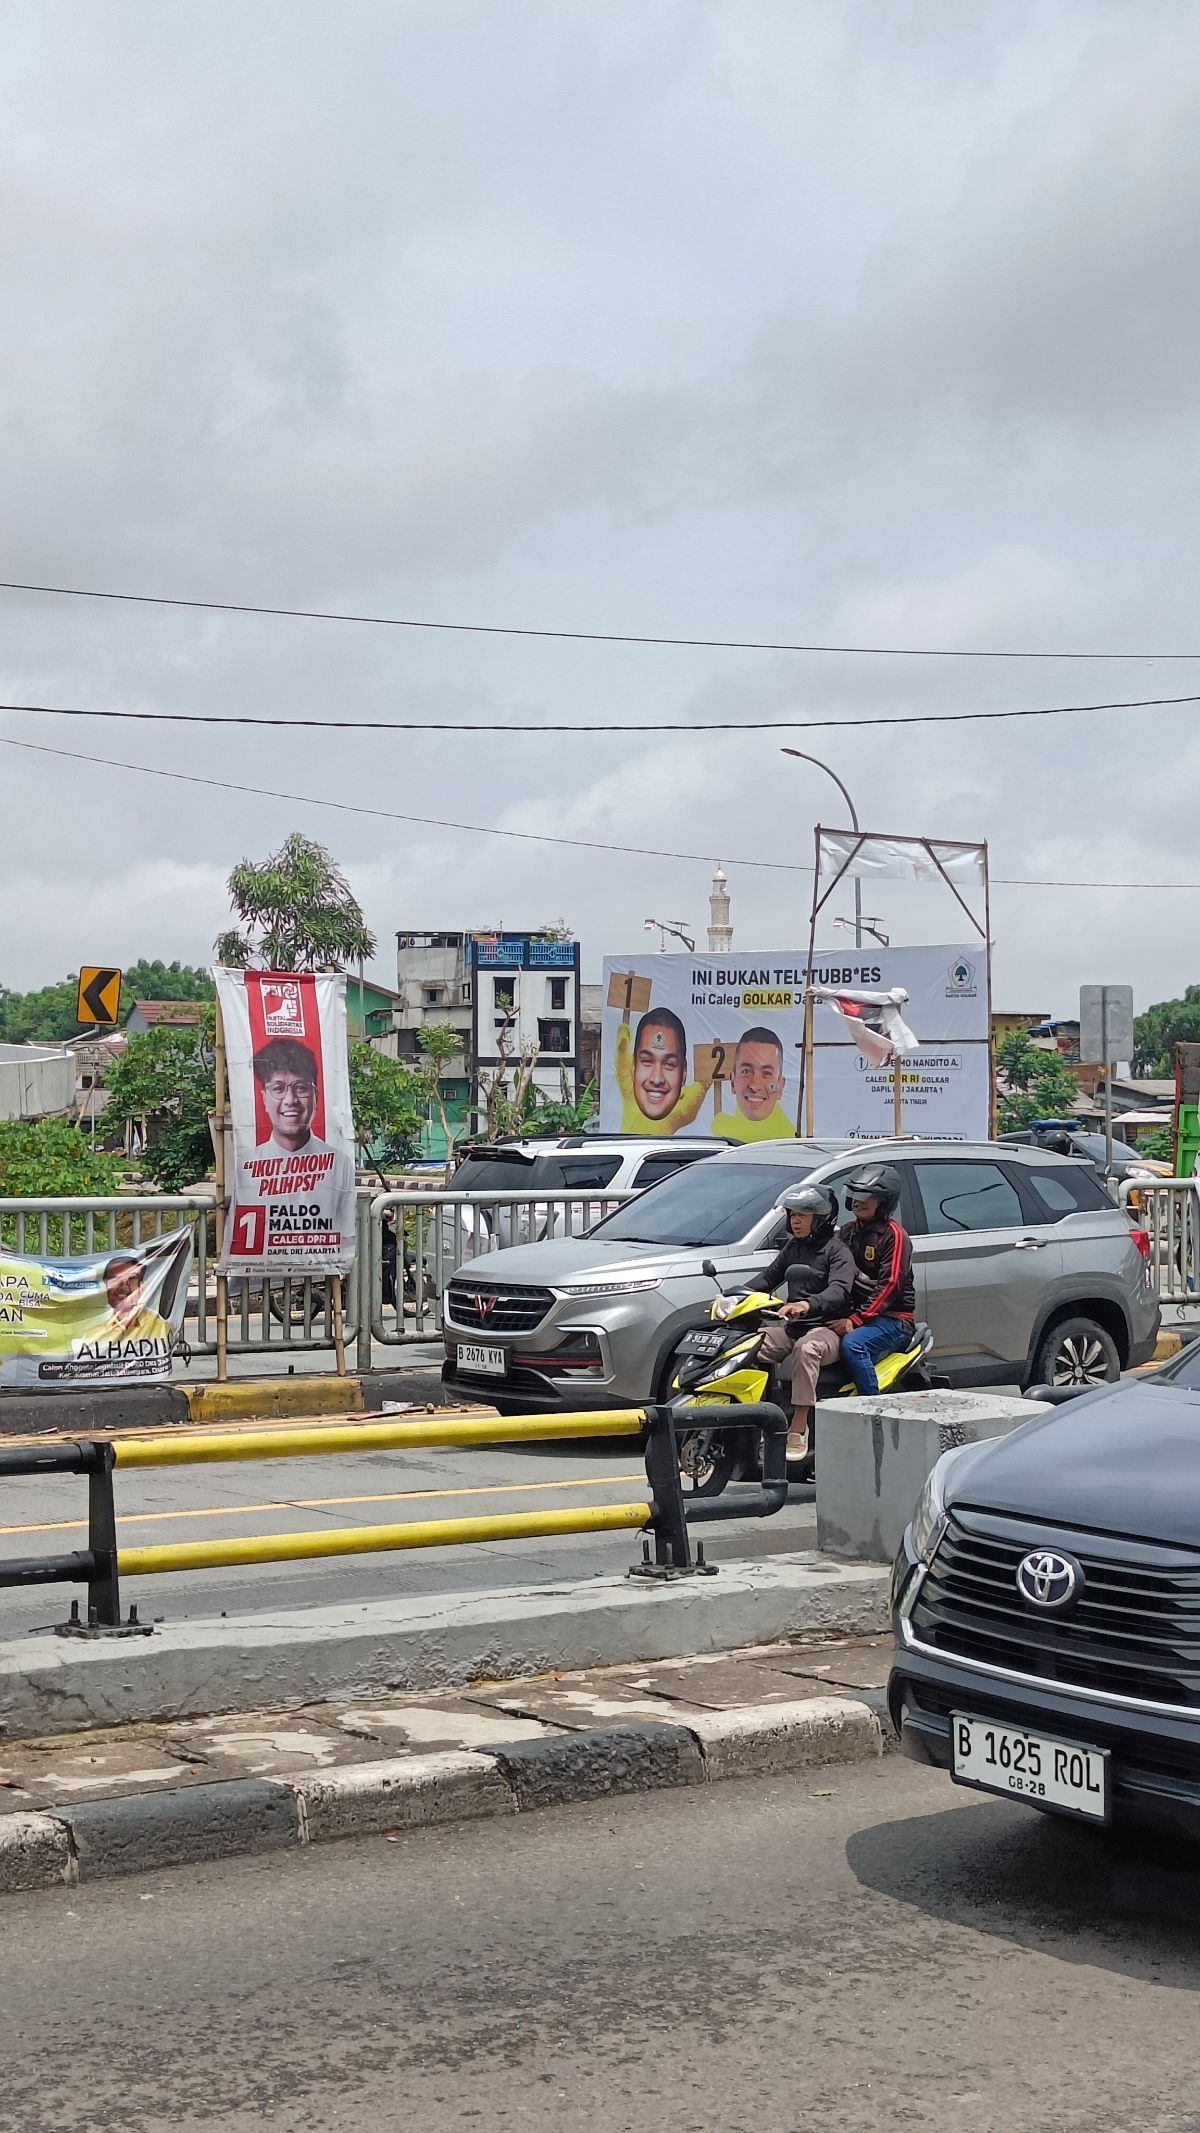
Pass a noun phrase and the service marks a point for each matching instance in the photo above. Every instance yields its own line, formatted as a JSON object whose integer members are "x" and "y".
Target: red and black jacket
{"x": 883, "y": 1284}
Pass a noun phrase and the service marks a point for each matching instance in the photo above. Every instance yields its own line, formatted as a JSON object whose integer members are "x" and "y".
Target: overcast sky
{"x": 837, "y": 320}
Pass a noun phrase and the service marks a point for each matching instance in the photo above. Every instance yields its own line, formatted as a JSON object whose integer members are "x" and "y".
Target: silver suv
{"x": 1025, "y": 1270}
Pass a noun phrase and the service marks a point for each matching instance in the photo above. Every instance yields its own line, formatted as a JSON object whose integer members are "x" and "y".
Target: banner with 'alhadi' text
{"x": 291, "y": 1185}
{"x": 112, "y": 1318}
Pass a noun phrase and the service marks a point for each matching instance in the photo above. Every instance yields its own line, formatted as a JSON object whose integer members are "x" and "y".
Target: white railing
{"x": 1168, "y": 1209}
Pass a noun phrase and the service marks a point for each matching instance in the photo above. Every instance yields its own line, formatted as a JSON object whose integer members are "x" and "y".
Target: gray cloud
{"x": 778, "y": 321}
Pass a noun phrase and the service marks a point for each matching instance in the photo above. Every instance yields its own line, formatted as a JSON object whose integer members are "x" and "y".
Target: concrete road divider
{"x": 96, "y": 1840}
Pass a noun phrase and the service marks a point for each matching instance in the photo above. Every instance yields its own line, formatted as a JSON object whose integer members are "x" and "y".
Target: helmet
{"x": 816, "y": 1200}
{"x": 875, "y": 1181}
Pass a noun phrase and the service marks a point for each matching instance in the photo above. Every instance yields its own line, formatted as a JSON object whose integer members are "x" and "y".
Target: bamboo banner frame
{"x": 856, "y": 839}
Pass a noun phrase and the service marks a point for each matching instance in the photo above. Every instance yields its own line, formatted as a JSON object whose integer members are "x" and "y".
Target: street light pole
{"x": 854, "y": 824}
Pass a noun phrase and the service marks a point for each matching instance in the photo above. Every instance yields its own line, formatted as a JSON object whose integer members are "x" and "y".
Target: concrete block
{"x": 873, "y": 1456}
{"x": 35, "y": 1853}
{"x": 146, "y": 1830}
{"x": 408, "y": 1793}
{"x": 586, "y": 1766}
{"x": 84, "y": 1413}
{"x": 760, "y": 1740}
{"x": 290, "y": 1659}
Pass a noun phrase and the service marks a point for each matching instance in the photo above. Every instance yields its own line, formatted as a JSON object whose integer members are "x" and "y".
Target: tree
{"x": 157, "y": 980}
{"x": 1039, "y": 1085}
{"x": 47, "y": 1016}
{"x": 439, "y": 1043}
{"x": 1160, "y": 1029}
{"x": 389, "y": 1102}
{"x": 48, "y": 1158}
{"x": 296, "y": 912}
{"x": 164, "y": 1078}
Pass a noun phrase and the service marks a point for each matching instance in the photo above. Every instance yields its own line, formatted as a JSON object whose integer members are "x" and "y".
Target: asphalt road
{"x": 758, "y": 1958}
{"x": 286, "y": 1496}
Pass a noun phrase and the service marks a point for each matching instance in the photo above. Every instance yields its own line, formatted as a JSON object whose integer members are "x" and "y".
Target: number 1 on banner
{"x": 249, "y": 1226}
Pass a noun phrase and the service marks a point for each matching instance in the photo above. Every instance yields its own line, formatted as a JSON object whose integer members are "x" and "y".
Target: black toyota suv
{"x": 1046, "y": 1601}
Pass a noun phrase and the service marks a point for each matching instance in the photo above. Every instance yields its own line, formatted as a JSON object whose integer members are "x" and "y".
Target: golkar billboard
{"x": 714, "y": 1044}
{"x": 291, "y": 1187}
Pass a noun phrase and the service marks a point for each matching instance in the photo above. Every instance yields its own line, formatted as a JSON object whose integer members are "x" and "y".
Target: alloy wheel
{"x": 1080, "y": 1361}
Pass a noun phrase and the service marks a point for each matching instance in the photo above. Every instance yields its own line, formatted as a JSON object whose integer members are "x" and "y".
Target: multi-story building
{"x": 526, "y": 999}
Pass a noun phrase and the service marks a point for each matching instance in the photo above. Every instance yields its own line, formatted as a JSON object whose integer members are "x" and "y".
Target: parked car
{"x": 1047, "y": 1605}
{"x": 1025, "y": 1269}
{"x": 581, "y": 1163}
{"x": 1091, "y": 1148}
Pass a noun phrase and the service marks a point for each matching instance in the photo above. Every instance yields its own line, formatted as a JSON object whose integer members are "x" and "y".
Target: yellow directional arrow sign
{"x": 99, "y": 995}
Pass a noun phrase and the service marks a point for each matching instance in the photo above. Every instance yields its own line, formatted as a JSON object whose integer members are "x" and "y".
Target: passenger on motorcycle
{"x": 816, "y": 1272}
{"x": 884, "y": 1298}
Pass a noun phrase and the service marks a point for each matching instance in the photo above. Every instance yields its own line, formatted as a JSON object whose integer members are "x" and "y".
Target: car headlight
{"x": 607, "y": 1288}
{"x": 929, "y": 1518}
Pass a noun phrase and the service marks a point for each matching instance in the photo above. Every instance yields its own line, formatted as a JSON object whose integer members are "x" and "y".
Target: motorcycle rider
{"x": 817, "y": 1273}
{"x": 883, "y": 1297}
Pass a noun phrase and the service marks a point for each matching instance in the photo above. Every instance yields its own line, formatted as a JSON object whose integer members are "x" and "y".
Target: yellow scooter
{"x": 718, "y": 1366}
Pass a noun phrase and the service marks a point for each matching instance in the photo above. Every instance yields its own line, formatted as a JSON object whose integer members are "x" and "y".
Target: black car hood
{"x": 1120, "y": 1460}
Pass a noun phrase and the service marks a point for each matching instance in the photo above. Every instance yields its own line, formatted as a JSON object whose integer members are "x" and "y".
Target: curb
{"x": 86, "y": 1414}
{"x": 1167, "y": 1345}
{"x": 98, "y": 1840}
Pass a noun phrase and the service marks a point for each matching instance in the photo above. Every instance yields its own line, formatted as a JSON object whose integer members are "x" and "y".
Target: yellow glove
{"x": 633, "y": 1118}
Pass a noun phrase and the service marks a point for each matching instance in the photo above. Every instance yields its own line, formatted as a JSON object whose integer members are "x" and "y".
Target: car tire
{"x": 1076, "y": 1351}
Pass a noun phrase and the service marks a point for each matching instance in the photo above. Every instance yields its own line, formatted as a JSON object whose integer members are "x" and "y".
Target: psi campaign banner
{"x": 111, "y": 1318}
{"x": 713, "y": 1044}
{"x": 291, "y": 1182}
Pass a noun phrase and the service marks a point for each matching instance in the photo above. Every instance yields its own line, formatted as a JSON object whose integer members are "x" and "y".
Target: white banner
{"x": 844, "y": 852}
{"x": 713, "y": 1044}
{"x": 291, "y": 1185}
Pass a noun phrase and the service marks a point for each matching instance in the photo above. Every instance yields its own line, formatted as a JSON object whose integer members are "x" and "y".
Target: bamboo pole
{"x": 219, "y": 1097}
{"x": 339, "y": 1326}
{"x": 808, "y": 1064}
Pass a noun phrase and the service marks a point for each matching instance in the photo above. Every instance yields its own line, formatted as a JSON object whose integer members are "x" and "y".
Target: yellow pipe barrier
{"x": 365, "y": 1540}
{"x": 191, "y": 1448}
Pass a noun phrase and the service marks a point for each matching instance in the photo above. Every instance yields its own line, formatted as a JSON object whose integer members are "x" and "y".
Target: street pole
{"x": 801, "y": 757}
{"x": 1107, "y": 1083}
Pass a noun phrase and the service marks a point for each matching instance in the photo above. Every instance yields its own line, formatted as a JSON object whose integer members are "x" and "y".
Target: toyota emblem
{"x": 1047, "y": 1579}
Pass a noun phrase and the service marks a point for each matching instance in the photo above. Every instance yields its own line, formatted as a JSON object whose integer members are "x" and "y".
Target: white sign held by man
{"x": 291, "y": 1185}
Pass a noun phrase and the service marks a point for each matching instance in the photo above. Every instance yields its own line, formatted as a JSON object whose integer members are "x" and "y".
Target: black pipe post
{"x": 104, "y": 1593}
{"x": 669, "y": 1522}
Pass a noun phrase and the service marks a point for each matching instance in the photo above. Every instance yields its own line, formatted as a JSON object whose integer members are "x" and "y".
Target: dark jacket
{"x": 883, "y": 1280}
{"x": 821, "y": 1275}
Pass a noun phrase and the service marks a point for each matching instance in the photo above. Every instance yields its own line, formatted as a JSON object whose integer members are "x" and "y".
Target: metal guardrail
{"x": 1168, "y": 1209}
{"x": 436, "y": 1232}
{"x": 665, "y": 1518}
{"x": 276, "y": 1315}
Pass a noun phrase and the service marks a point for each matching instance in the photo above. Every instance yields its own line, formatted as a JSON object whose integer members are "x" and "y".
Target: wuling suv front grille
{"x": 1134, "y": 1630}
{"x": 483, "y": 1307}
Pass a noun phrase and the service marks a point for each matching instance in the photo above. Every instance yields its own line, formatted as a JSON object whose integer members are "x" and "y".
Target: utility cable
{"x": 511, "y": 629}
{"x": 485, "y": 829}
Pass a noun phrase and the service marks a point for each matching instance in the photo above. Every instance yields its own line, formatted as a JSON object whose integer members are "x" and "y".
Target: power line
{"x": 485, "y": 829}
{"x": 509, "y": 629}
{"x": 687, "y": 725}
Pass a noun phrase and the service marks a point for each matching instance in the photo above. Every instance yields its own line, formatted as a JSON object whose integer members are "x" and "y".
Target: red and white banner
{"x": 873, "y": 1019}
{"x": 291, "y": 1184}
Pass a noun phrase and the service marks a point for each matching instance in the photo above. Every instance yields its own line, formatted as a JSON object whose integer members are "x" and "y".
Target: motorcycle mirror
{"x": 707, "y": 1267}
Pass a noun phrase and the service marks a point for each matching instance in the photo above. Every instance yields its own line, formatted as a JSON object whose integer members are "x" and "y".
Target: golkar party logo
{"x": 962, "y": 978}
{"x": 283, "y": 1009}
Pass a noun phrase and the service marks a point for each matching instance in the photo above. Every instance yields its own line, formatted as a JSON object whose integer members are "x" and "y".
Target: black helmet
{"x": 816, "y": 1200}
{"x": 875, "y": 1181}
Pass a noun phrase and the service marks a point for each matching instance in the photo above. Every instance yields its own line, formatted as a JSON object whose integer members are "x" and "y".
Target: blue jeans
{"x": 863, "y": 1343}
